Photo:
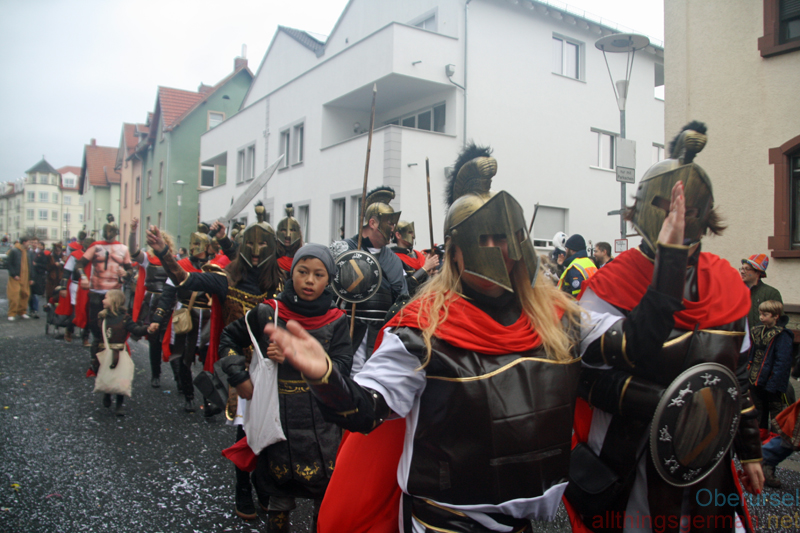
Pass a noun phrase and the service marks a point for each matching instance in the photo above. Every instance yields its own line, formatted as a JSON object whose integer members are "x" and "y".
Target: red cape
{"x": 65, "y": 307}
{"x": 309, "y": 323}
{"x": 723, "y": 297}
{"x": 212, "y": 356}
{"x": 413, "y": 262}
{"x": 363, "y": 495}
{"x": 82, "y": 297}
{"x": 138, "y": 298}
{"x": 285, "y": 263}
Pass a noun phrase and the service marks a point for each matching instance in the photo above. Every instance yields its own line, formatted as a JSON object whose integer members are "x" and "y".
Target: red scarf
{"x": 723, "y": 296}
{"x": 82, "y": 297}
{"x": 285, "y": 263}
{"x": 309, "y": 323}
{"x": 363, "y": 495}
{"x": 413, "y": 262}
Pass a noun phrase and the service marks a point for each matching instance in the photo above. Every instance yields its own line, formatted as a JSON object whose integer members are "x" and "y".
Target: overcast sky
{"x": 73, "y": 70}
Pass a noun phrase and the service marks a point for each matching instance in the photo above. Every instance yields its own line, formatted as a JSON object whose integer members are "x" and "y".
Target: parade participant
{"x": 300, "y": 466}
{"x": 110, "y": 261}
{"x": 20, "y": 269}
{"x": 416, "y": 265}
{"x": 118, "y": 325}
{"x": 289, "y": 238}
{"x": 41, "y": 259}
{"x": 753, "y": 271}
{"x": 70, "y": 280}
{"x": 54, "y": 267}
{"x": 577, "y": 266}
{"x": 559, "y": 253}
{"x": 247, "y": 281}
{"x": 658, "y": 312}
{"x": 376, "y": 232}
{"x": 81, "y": 312}
{"x": 185, "y": 346}
{"x": 770, "y": 361}
{"x": 149, "y": 286}
{"x": 480, "y": 367}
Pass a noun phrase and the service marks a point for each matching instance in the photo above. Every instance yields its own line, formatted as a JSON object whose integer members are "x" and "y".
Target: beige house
{"x": 42, "y": 203}
{"x": 11, "y": 214}
{"x": 129, "y": 167}
{"x": 71, "y": 202}
{"x": 736, "y": 66}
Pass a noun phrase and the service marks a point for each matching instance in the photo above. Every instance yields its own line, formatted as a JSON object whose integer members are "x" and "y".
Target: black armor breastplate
{"x": 497, "y": 424}
{"x": 155, "y": 278}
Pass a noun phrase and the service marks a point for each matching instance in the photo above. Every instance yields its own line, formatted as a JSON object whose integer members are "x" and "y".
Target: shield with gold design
{"x": 358, "y": 276}
{"x": 694, "y": 423}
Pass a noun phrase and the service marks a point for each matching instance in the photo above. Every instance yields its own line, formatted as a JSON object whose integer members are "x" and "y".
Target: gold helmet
{"x": 199, "y": 241}
{"x": 655, "y": 189}
{"x": 378, "y": 207}
{"x": 258, "y": 240}
{"x": 110, "y": 229}
{"x": 476, "y": 211}
{"x": 290, "y": 238}
{"x": 406, "y": 231}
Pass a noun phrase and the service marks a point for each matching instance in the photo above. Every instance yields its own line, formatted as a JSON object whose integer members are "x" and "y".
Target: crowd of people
{"x": 480, "y": 383}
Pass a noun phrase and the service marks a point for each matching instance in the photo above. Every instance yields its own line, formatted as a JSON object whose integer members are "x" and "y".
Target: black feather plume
{"x": 470, "y": 152}
{"x": 694, "y": 125}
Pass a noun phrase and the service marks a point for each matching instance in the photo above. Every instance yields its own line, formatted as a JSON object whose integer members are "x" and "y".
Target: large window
{"x": 54, "y": 233}
{"x": 67, "y": 199}
{"x": 67, "y": 218}
{"x": 29, "y": 214}
{"x": 44, "y": 197}
{"x": 785, "y": 242}
{"x": 658, "y": 153}
{"x": 567, "y": 57}
{"x": 781, "y": 27}
{"x": 549, "y": 221}
{"x": 246, "y": 164}
{"x": 31, "y": 197}
{"x": 207, "y": 176}
{"x": 240, "y": 164}
{"x": 604, "y": 149}
{"x": 338, "y": 220}
{"x": 69, "y": 182}
{"x": 41, "y": 233}
{"x": 302, "y": 219}
{"x": 55, "y": 197}
{"x": 43, "y": 214}
{"x": 429, "y": 119}
{"x": 54, "y": 215}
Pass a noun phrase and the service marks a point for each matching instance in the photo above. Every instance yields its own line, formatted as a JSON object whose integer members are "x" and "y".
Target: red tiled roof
{"x": 99, "y": 162}
{"x": 175, "y": 102}
{"x": 74, "y": 170}
{"x": 131, "y": 141}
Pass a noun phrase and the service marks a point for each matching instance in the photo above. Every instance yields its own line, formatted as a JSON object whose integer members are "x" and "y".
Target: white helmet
{"x": 559, "y": 240}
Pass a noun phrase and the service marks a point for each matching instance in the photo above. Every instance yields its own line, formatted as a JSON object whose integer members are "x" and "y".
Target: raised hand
{"x": 219, "y": 228}
{"x": 155, "y": 240}
{"x": 673, "y": 227}
{"x": 302, "y": 350}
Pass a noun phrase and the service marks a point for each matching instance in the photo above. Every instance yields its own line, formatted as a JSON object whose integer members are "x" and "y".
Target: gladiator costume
{"x": 371, "y": 314}
{"x": 110, "y": 260}
{"x": 413, "y": 260}
{"x": 486, "y": 438}
{"x": 247, "y": 281}
{"x": 68, "y": 287}
{"x": 289, "y": 239}
{"x": 657, "y": 313}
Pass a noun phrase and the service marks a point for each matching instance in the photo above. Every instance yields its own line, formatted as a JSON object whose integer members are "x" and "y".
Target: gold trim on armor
{"x": 751, "y": 408}
{"x": 182, "y": 283}
{"x": 603, "y": 348}
{"x": 117, "y": 346}
{"x": 324, "y": 379}
{"x": 624, "y": 349}
{"x": 286, "y": 386}
{"x": 432, "y": 528}
{"x": 676, "y": 340}
{"x": 442, "y": 507}
{"x": 506, "y": 367}
{"x": 745, "y": 461}
{"x": 624, "y": 390}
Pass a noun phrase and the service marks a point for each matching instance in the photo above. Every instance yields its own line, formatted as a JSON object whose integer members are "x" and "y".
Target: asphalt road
{"x": 67, "y": 464}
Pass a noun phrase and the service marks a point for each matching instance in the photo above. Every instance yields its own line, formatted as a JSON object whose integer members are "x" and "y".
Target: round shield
{"x": 694, "y": 423}
{"x": 358, "y": 277}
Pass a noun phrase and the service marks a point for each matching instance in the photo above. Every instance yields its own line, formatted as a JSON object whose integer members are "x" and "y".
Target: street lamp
{"x": 627, "y": 43}
{"x": 180, "y": 202}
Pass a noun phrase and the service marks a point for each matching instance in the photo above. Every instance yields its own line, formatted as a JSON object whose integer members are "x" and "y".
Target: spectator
{"x": 20, "y": 269}
{"x": 183, "y": 253}
{"x": 579, "y": 267}
{"x": 602, "y": 254}
{"x": 753, "y": 269}
{"x": 40, "y": 262}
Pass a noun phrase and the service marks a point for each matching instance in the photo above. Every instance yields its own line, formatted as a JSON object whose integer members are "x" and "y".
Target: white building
{"x": 537, "y": 91}
{"x": 71, "y": 202}
{"x": 42, "y": 203}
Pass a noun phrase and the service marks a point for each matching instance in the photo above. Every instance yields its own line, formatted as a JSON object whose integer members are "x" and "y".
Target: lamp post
{"x": 180, "y": 202}
{"x": 627, "y": 43}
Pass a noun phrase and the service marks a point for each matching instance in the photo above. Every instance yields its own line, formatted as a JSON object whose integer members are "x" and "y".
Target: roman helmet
{"x": 654, "y": 194}
{"x": 406, "y": 230}
{"x": 378, "y": 207}
{"x": 199, "y": 241}
{"x": 110, "y": 228}
{"x": 290, "y": 238}
{"x": 475, "y": 210}
{"x": 236, "y": 232}
{"x": 258, "y": 240}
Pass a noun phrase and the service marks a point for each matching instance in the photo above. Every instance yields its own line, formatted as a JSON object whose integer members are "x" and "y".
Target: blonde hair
{"x": 539, "y": 303}
{"x": 117, "y": 298}
{"x": 773, "y": 307}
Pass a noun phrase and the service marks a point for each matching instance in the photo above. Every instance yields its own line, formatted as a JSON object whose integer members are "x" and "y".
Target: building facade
{"x": 99, "y": 186}
{"x": 523, "y": 77}
{"x": 71, "y": 203}
{"x": 42, "y": 203}
{"x": 12, "y": 215}
{"x": 736, "y": 66}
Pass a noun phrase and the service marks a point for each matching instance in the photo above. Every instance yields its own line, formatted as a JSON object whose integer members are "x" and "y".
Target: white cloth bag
{"x": 117, "y": 380}
{"x": 262, "y": 418}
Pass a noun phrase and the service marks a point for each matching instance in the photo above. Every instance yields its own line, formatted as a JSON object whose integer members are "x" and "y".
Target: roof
{"x": 42, "y": 167}
{"x": 174, "y": 103}
{"x": 98, "y": 166}
{"x": 129, "y": 135}
{"x": 304, "y": 38}
{"x": 74, "y": 170}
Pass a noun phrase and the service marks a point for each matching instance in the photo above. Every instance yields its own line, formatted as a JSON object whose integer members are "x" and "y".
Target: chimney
{"x": 94, "y": 142}
{"x": 241, "y": 61}
{"x": 204, "y": 89}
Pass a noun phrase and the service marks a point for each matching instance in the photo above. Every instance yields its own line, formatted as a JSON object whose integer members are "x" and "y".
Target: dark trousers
{"x": 768, "y": 405}
{"x": 95, "y": 306}
{"x": 155, "y": 340}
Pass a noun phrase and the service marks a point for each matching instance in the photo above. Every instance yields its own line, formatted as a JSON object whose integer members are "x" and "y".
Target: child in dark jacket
{"x": 300, "y": 466}
{"x": 770, "y": 360}
{"x": 118, "y": 325}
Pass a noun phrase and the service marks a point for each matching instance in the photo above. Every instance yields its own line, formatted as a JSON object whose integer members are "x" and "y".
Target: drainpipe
{"x": 466, "y": 25}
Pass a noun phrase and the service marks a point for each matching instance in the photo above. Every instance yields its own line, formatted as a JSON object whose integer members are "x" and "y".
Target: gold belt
{"x": 117, "y": 346}
{"x": 286, "y": 386}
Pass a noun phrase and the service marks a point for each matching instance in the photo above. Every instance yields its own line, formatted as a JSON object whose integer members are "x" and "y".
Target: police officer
{"x": 578, "y": 266}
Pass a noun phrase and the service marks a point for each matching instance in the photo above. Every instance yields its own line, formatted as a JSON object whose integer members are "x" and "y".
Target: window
{"x": 69, "y": 182}
{"x": 428, "y": 24}
{"x": 207, "y": 175}
{"x": 250, "y": 166}
{"x": 67, "y": 199}
{"x": 284, "y": 148}
{"x": 125, "y": 197}
{"x": 67, "y": 218}
{"x": 161, "y": 176}
{"x": 29, "y": 214}
{"x": 781, "y": 27}
{"x": 54, "y": 215}
{"x": 44, "y": 197}
{"x": 214, "y": 118}
{"x": 302, "y": 219}
{"x": 66, "y": 235}
{"x": 54, "y": 233}
{"x": 240, "y": 162}
{"x": 80, "y": 218}
{"x": 429, "y": 119}
{"x": 567, "y": 57}
{"x": 80, "y": 200}
{"x": 31, "y": 197}
{"x": 55, "y": 197}
{"x": 355, "y": 215}
{"x": 159, "y": 219}
{"x": 786, "y": 163}
{"x": 149, "y": 183}
{"x": 549, "y": 221}
{"x": 658, "y": 153}
{"x": 33, "y": 179}
{"x": 43, "y": 214}
{"x": 41, "y": 233}
{"x": 338, "y": 218}
{"x": 138, "y": 188}
{"x": 147, "y": 222}
{"x": 604, "y": 151}
{"x": 298, "y": 140}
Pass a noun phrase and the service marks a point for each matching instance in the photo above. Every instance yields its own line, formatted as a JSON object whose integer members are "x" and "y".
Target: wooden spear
{"x": 430, "y": 215}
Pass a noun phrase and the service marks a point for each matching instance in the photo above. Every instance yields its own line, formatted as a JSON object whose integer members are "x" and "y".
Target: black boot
{"x": 278, "y": 522}
{"x": 245, "y": 509}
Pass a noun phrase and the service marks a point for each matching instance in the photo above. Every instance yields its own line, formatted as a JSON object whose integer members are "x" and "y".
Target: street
{"x": 68, "y": 464}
